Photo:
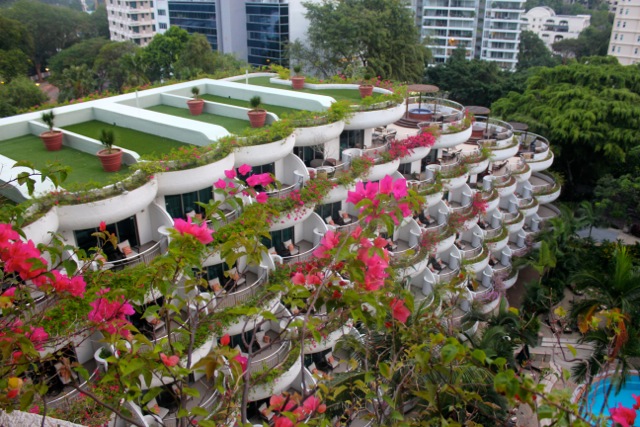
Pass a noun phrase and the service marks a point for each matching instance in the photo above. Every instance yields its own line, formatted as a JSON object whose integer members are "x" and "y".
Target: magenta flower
{"x": 231, "y": 173}
{"x": 220, "y": 184}
{"x": 329, "y": 241}
{"x": 386, "y": 185}
{"x": 357, "y": 195}
{"x": 262, "y": 198}
{"x": 399, "y": 311}
{"x": 110, "y": 316}
{"x": 626, "y": 417}
{"x": 244, "y": 169}
{"x": 400, "y": 188}
{"x": 200, "y": 232}
{"x": 169, "y": 361}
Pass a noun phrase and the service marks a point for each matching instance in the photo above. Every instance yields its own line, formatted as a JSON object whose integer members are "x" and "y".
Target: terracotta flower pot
{"x": 111, "y": 162}
{"x": 52, "y": 140}
{"x": 257, "y": 118}
{"x": 365, "y": 90}
{"x": 195, "y": 106}
{"x": 297, "y": 82}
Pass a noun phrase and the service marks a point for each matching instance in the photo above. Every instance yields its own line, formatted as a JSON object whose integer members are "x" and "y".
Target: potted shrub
{"x": 257, "y": 116}
{"x": 366, "y": 88}
{"x": 297, "y": 81}
{"x": 52, "y": 138}
{"x": 110, "y": 157}
{"x": 196, "y": 104}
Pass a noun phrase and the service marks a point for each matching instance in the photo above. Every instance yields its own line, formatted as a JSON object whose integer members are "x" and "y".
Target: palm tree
{"x": 607, "y": 316}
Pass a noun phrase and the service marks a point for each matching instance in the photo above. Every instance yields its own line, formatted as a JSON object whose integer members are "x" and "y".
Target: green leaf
{"x": 449, "y": 352}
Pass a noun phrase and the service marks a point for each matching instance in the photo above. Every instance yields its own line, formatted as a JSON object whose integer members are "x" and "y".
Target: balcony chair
{"x": 292, "y": 248}
{"x": 344, "y": 217}
{"x": 125, "y": 248}
{"x": 157, "y": 411}
{"x": 329, "y": 220}
{"x": 214, "y": 285}
{"x": 155, "y": 323}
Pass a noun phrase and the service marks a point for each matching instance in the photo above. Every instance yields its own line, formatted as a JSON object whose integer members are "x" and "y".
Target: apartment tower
{"x": 625, "y": 35}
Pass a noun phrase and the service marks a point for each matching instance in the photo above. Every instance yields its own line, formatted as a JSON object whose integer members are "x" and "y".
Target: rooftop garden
{"x": 245, "y": 104}
{"x": 85, "y": 167}
{"x": 235, "y": 126}
{"x": 351, "y": 95}
{"x": 140, "y": 142}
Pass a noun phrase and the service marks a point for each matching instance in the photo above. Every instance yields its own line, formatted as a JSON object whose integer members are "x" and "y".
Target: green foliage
{"x": 533, "y": 52}
{"x": 48, "y": 119}
{"x": 84, "y": 52}
{"x": 255, "y": 102}
{"x": 590, "y": 110}
{"x": 619, "y": 197}
{"x": 592, "y": 41}
{"x": 195, "y": 58}
{"x": 115, "y": 64}
{"x": 372, "y": 33}
{"x": 20, "y": 93}
{"x": 162, "y": 53}
{"x": 107, "y": 138}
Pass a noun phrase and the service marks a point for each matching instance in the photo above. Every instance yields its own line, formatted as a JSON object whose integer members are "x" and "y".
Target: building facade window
{"x": 162, "y": 25}
{"x": 180, "y": 204}
{"x": 162, "y": 12}
{"x": 267, "y": 33}
{"x": 126, "y": 229}
{"x": 195, "y": 18}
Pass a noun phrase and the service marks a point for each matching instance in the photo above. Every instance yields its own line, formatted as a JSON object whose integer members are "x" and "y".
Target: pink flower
{"x": 357, "y": 195}
{"x": 399, "y": 311}
{"x": 110, "y": 316}
{"x": 400, "y": 188}
{"x": 282, "y": 422}
{"x": 231, "y": 173}
{"x": 35, "y": 409}
{"x": 225, "y": 340}
{"x": 261, "y": 198}
{"x": 386, "y": 185}
{"x": 260, "y": 179}
{"x": 244, "y": 169}
{"x": 243, "y": 361}
{"x": 200, "y": 232}
{"x": 626, "y": 417}
{"x": 103, "y": 226}
{"x": 37, "y": 336}
{"x": 220, "y": 184}
{"x": 169, "y": 361}
{"x": 636, "y": 406}
{"x": 328, "y": 242}
{"x": 298, "y": 279}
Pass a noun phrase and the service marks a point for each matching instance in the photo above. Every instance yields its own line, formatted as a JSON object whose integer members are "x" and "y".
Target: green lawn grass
{"x": 140, "y": 142}
{"x": 235, "y": 126}
{"x": 350, "y": 95}
{"x": 84, "y": 167}
{"x": 240, "y": 103}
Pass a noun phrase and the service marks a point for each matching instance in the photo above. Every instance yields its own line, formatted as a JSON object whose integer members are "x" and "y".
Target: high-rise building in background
{"x": 625, "y": 35}
{"x": 487, "y": 29}
{"x": 552, "y": 28}
{"x": 132, "y": 20}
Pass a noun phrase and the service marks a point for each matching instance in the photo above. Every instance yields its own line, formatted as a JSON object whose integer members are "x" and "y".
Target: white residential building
{"x": 488, "y": 29}
{"x": 625, "y": 35}
{"x": 132, "y": 20}
{"x": 552, "y": 28}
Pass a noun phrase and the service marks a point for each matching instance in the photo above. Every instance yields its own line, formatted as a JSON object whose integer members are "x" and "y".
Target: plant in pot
{"x": 52, "y": 139}
{"x": 366, "y": 88}
{"x": 110, "y": 157}
{"x": 257, "y": 116}
{"x": 297, "y": 81}
{"x": 196, "y": 104}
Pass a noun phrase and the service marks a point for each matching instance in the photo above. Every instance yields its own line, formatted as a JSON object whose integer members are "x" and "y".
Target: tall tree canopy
{"x": 163, "y": 52}
{"x": 53, "y": 27}
{"x": 16, "y": 45}
{"x": 590, "y": 111}
{"x": 377, "y": 34}
{"x": 534, "y": 53}
{"x": 474, "y": 82}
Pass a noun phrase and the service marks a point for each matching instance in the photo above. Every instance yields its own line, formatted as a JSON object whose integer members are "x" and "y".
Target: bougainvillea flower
{"x": 329, "y": 241}
{"x": 220, "y": 184}
{"x": 110, "y": 316}
{"x": 200, "y": 232}
{"x": 261, "y": 198}
{"x": 400, "y": 188}
{"x": 169, "y": 361}
{"x": 244, "y": 169}
{"x": 103, "y": 226}
{"x": 636, "y": 406}
{"x": 280, "y": 421}
{"x": 225, "y": 340}
{"x": 38, "y": 337}
{"x": 626, "y": 417}
{"x": 399, "y": 311}
{"x": 231, "y": 173}
{"x": 259, "y": 179}
{"x": 357, "y": 195}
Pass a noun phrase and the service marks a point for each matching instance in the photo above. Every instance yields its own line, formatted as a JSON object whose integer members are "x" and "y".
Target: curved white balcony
{"x": 318, "y": 135}
{"x": 406, "y": 255}
{"x": 519, "y": 169}
{"x": 111, "y": 210}
{"x": 540, "y": 163}
{"x": 496, "y": 238}
{"x": 470, "y": 244}
{"x": 548, "y": 211}
{"x": 257, "y": 155}
{"x": 535, "y": 150}
{"x": 429, "y": 189}
{"x": 418, "y": 154}
{"x": 545, "y": 188}
{"x": 307, "y": 238}
{"x": 253, "y": 281}
{"x": 513, "y": 221}
{"x": 448, "y": 140}
{"x": 455, "y": 308}
{"x": 151, "y": 250}
{"x": 40, "y": 230}
{"x": 505, "y": 184}
{"x": 289, "y": 219}
{"x": 511, "y": 279}
{"x": 375, "y": 118}
{"x": 279, "y": 384}
{"x": 447, "y": 267}
{"x": 188, "y": 180}
{"x": 501, "y": 149}
{"x": 475, "y": 162}
{"x": 528, "y": 207}
{"x": 379, "y": 171}
{"x": 518, "y": 243}
{"x": 423, "y": 287}
{"x": 333, "y": 334}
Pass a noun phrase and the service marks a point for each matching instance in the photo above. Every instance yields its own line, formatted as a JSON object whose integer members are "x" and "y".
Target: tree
{"x": 16, "y": 45}
{"x": 111, "y": 67}
{"x": 379, "y": 35}
{"x": 590, "y": 110}
{"x": 84, "y": 52}
{"x": 619, "y": 196}
{"x": 75, "y": 82}
{"x": 163, "y": 52}
{"x": 195, "y": 58}
{"x": 100, "y": 22}
{"x": 53, "y": 28}
{"x": 473, "y": 82}
{"x": 533, "y": 52}
{"x": 21, "y": 93}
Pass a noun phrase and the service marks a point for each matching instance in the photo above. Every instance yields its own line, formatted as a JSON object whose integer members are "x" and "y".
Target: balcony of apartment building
{"x": 546, "y": 188}
{"x": 405, "y": 252}
{"x": 456, "y": 305}
{"x": 495, "y": 234}
{"x": 535, "y": 151}
{"x": 494, "y": 35}
{"x": 482, "y": 288}
{"x": 303, "y": 240}
{"x": 507, "y": 26}
{"x": 518, "y": 243}
{"x": 515, "y": 5}
{"x": 470, "y": 242}
{"x": 512, "y": 217}
{"x": 527, "y": 203}
{"x": 425, "y": 292}
{"x": 446, "y": 267}
{"x": 427, "y": 185}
